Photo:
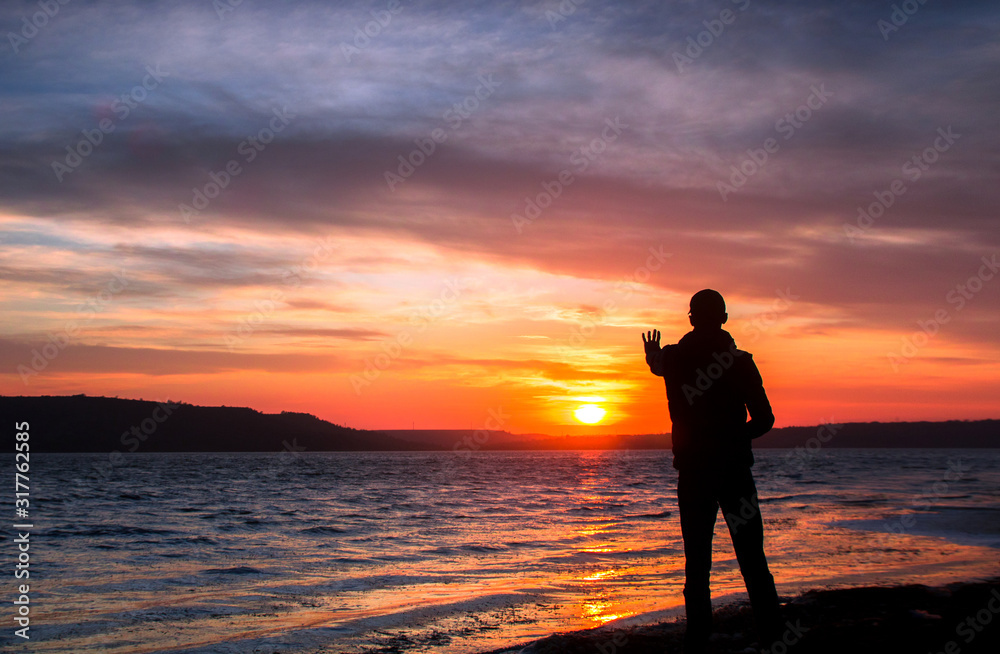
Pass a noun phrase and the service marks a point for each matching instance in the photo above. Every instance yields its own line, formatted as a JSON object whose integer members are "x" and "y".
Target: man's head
{"x": 708, "y": 309}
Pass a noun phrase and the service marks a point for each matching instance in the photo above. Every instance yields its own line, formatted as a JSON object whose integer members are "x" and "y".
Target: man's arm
{"x": 759, "y": 408}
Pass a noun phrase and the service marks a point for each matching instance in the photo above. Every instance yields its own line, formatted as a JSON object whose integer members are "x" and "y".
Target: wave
{"x": 651, "y": 516}
{"x": 107, "y": 530}
{"x": 323, "y": 530}
{"x": 238, "y": 570}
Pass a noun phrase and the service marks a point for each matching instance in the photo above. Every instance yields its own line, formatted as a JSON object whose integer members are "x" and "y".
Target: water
{"x": 451, "y": 552}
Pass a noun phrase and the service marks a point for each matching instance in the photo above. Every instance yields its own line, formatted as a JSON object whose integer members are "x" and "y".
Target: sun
{"x": 589, "y": 414}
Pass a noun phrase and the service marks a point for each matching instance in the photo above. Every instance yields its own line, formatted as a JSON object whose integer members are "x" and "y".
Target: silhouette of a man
{"x": 711, "y": 386}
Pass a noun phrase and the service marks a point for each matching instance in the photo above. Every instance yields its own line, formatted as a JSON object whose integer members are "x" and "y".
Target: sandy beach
{"x": 958, "y": 618}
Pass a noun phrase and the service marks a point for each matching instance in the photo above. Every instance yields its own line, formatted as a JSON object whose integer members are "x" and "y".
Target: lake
{"x": 458, "y": 552}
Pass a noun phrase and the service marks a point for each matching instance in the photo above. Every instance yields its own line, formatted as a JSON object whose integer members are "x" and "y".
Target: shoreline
{"x": 960, "y": 617}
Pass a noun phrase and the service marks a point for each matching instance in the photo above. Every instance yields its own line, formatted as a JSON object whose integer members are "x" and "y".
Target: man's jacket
{"x": 711, "y": 385}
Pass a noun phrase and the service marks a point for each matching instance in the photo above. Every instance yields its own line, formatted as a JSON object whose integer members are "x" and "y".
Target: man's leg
{"x": 740, "y": 507}
{"x": 698, "y": 508}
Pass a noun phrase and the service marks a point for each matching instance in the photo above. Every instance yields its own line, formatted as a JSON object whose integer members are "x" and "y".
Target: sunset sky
{"x": 413, "y": 213}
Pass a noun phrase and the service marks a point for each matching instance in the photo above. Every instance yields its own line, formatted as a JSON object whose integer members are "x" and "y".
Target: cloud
{"x": 97, "y": 359}
{"x": 322, "y": 177}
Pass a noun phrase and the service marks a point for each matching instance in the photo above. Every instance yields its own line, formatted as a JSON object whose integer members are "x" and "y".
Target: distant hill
{"x": 80, "y": 423}
{"x": 466, "y": 439}
{"x": 103, "y": 424}
{"x": 949, "y": 433}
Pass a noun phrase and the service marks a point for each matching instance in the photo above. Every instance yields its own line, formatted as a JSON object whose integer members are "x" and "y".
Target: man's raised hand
{"x": 651, "y": 342}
